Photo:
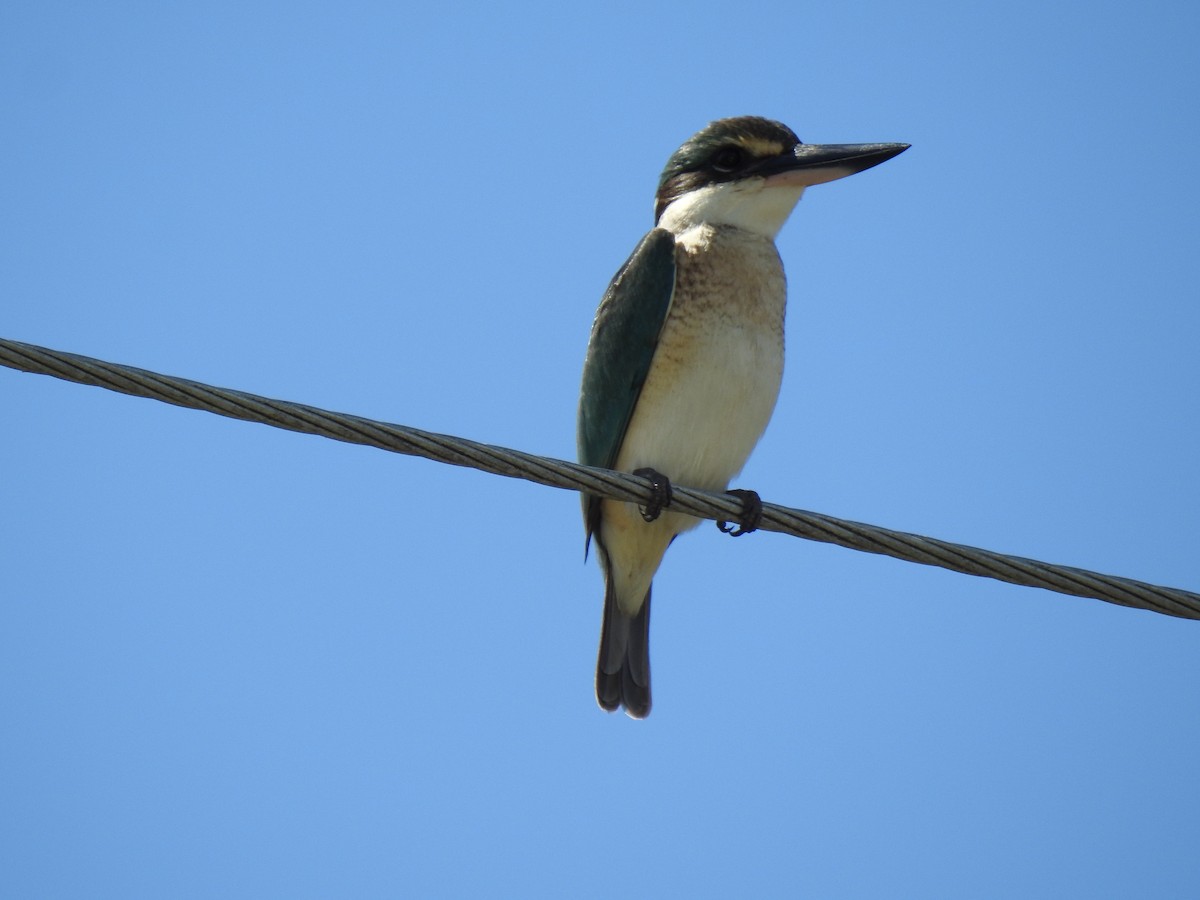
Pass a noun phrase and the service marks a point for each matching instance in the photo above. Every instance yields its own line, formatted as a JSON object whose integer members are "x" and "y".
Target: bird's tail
{"x": 623, "y": 667}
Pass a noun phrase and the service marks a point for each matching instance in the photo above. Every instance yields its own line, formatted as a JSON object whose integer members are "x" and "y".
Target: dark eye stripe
{"x": 727, "y": 159}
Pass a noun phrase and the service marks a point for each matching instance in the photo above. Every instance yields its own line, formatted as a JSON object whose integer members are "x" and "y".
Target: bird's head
{"x": 749, "y": 172}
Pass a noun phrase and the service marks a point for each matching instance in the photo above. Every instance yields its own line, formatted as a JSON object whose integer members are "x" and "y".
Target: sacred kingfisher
{"x": 686, "y": 357}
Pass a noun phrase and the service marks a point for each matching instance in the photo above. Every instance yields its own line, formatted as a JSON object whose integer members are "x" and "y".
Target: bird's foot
{"x": 751, "y": 514}
{"x": 660, "y": 498}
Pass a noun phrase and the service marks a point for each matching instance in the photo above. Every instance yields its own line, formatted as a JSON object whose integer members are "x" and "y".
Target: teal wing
{"x": 624, "y": 337}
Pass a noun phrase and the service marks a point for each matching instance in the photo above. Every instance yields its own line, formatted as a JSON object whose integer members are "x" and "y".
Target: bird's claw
{"x": 752, "y": 512}
{"x": 660, "y": 498}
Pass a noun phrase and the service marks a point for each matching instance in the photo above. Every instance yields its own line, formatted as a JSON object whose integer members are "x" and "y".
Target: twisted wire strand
{"x": 600, "y": 482}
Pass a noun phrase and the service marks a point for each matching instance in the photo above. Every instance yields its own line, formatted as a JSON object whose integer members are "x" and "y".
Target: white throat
{"x": 750, "y": 204}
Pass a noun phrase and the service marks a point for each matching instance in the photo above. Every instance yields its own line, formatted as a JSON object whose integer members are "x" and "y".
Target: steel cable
{"x": 601, "y": 482}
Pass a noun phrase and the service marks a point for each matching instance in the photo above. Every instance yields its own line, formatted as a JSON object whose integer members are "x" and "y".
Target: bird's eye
{"x": 728, "y": 159}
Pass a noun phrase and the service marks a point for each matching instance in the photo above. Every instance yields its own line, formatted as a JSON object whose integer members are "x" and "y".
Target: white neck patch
{"x": 748, "y": 204}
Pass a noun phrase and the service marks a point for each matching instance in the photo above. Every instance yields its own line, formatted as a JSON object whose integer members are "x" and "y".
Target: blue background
{"x": 240, "y": 662}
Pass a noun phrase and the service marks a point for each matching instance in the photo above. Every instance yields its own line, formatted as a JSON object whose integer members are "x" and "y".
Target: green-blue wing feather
{"x": 624, "y": 338}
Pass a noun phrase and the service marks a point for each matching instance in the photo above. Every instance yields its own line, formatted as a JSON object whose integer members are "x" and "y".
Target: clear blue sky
{"x": 240, "y": 662}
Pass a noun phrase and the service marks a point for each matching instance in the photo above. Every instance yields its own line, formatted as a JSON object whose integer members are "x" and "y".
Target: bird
{"x": 685, "y": 360}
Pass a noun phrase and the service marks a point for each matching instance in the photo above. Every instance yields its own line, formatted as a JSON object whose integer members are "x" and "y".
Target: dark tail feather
{"x": 623, "y": 667}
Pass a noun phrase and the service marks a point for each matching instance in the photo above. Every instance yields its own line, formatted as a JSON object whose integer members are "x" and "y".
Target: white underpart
{"x": 752, "y": 204}
{"x": 716, "y": 373}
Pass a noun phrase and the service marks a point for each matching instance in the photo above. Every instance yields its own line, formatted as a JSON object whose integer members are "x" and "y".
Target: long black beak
{"x": 809, "y": 164}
